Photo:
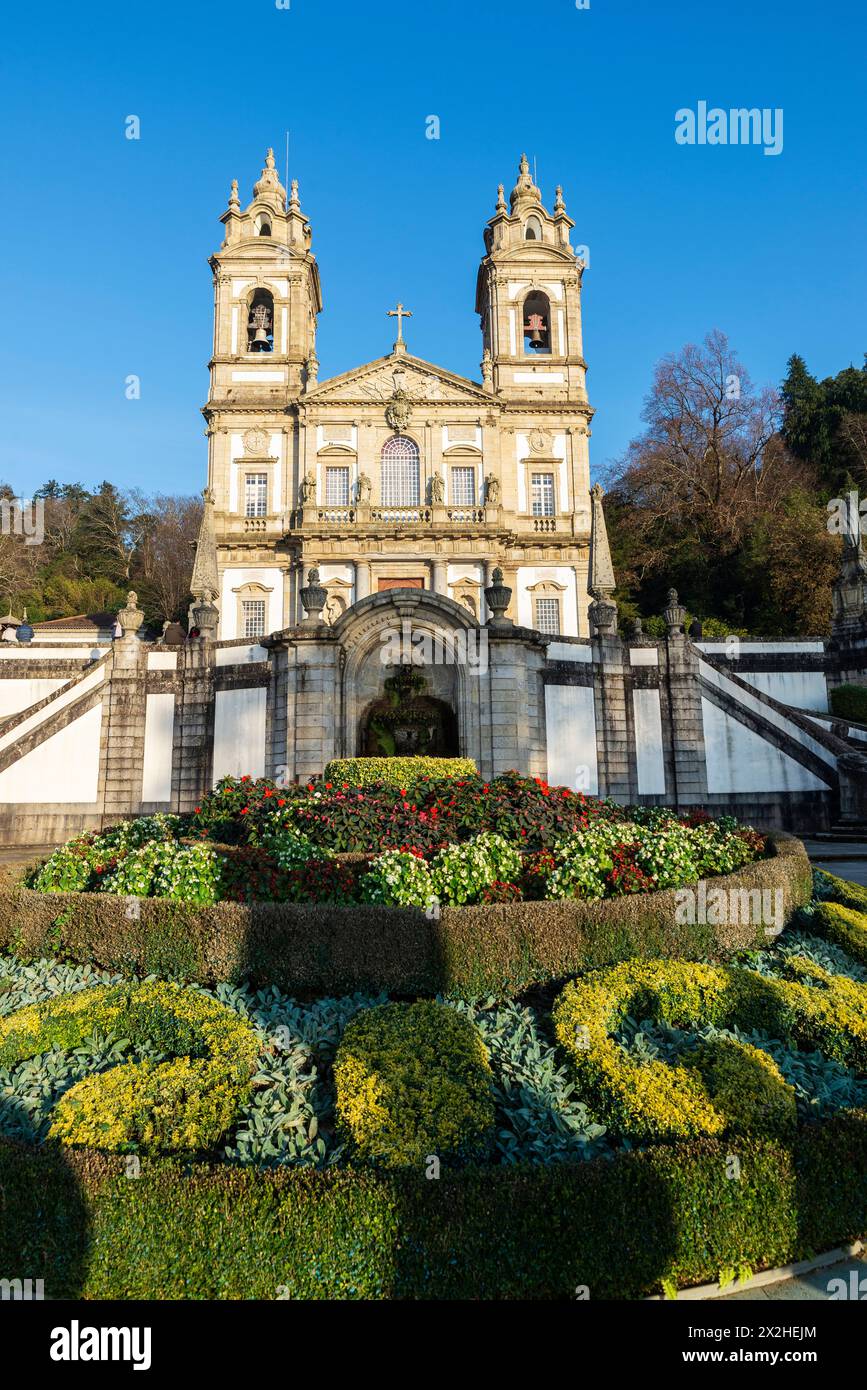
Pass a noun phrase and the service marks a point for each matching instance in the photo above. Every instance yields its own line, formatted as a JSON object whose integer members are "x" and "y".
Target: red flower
{"x": 268, "y": 791}
{"x": 197, "y": 810}
{"x": 281, "y": 801}
{"x": 245, "y": 810}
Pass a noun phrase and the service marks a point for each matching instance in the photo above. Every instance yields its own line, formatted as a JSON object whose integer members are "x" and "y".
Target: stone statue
{"x": 487, "y": 367}
{"x": 307, "y": 491}
{"x": 492, "y": 489}
{"x": 437, "y": 489}
{"x": 363, "y": 488}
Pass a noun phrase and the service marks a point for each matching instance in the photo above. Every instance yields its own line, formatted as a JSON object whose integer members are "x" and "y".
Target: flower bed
{"x": 497, "y": 948}
{"x": 445, "y": 842}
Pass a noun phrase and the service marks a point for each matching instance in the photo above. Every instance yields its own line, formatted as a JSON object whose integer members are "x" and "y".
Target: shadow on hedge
{"x": 611, "y": 1228}
{"x": 45, "y": 1218}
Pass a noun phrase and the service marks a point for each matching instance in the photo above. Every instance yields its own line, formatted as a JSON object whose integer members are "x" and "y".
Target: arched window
{"x": 263, "y": 224}
{"x": 260, "y": 324}
{"x": 533, "y": 229}
{"x": 537, "y": 323}
{"x": 400, "y": 473}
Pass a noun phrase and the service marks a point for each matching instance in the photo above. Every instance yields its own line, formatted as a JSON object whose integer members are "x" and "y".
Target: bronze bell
{"x": 260, "y": 322}
{"x": 536, "y": 325}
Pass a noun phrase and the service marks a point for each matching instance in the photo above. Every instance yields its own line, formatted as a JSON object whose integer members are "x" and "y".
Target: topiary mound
{"x": 722, "y": 1085}
{"x": 844, "y": 926}
{"x": 184, "y": 1105}
{"x": 396, "y": 772}
{"x": 413, "y": 1081}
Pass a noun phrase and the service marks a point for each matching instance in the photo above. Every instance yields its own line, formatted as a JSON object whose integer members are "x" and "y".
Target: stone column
{"x": 513, "y": 725}
{"x": 362, "y": 579}
{"x": 439, "y": 577}
{"x": 193, "y": 753}
{"x": 124, "y": 711}
{"x": 615, "y": 738}
{"x": 686, "y": 766}
{"x": 314, "y": 714}
{"x": 288, "y": 619}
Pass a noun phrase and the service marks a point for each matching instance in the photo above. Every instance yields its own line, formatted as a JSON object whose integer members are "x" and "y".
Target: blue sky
{"x": 105, "y": 240}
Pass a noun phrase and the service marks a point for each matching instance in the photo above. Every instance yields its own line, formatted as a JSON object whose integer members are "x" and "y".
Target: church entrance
{"x": 399, "y": 583}
{"x": 406, "y": 721}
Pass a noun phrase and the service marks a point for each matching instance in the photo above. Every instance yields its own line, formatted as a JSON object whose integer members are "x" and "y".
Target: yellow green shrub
{"x": 397, "y": 772}
{"x": 182, "y": 1105}
{"x": 845, "y": 926}
{"x": 413, "y": 1080}
{"x": 724, "y": 1085}
{"x": 841, "y": 890}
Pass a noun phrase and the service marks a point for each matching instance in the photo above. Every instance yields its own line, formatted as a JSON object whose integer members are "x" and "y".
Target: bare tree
{"x": 165, "y": 560}
{"x": 853, "y": 434}
{"x": 710, "y": 457}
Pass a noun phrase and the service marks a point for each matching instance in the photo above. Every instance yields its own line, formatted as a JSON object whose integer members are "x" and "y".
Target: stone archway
{"x": 441, "y": 641}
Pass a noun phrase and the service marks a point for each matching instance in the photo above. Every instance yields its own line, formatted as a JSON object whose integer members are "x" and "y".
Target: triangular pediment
{"x": 422, "y": 381}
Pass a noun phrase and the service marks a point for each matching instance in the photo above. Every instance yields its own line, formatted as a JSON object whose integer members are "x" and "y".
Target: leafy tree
{"x": 823, "y": 422}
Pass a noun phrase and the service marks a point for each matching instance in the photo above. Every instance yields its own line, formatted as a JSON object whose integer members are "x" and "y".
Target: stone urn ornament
{"x": 313, "y": 598}
{"x": 131, "y": 617}
{"x": 675, "y": 615}
{"x": 498, "y": 597}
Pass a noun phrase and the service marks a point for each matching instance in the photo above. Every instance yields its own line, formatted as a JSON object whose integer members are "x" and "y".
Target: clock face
{"x": 538, "y": 441}
{"x": 255, "y": 441}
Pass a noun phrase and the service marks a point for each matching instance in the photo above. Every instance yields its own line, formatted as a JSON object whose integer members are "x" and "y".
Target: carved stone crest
{"x": 255, "y": 442}
{"x": 540, "y": 442}
{"x": 398, "y": 412}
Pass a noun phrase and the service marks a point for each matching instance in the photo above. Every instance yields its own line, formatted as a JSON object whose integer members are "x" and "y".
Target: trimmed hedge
{"x": 724, "y": 1086}
{"x": 844, "y": 927}
{"x": 841, "y": 890}
{"x": 413, "y": 1080}
{"x": 396, "y": 772}
{"x": 618, "y": 1226}
{"x": 182, "y": 1105}
{"x": 495, "y": 949}
{"x": 850, "y": 702}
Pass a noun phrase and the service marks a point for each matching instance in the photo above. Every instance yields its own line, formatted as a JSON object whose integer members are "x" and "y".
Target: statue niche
{"x": 406, "y": 721}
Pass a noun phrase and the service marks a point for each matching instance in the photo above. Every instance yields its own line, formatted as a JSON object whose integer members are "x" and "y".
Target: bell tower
{"x": 528, "y": 297}
{"x": 263, "y": 362}
{"x": 266, "y": 295}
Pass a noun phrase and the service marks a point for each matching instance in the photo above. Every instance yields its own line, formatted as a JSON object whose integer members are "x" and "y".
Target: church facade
{"x": 399, "y": 560}
{"x": 398, "y": 473}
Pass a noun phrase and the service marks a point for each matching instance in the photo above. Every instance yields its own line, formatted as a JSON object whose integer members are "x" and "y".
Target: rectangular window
{"x": 542, "y": 494}
{"x": 253, "y": 617}
{"x": 548, "y": 616}
{"x": 256, "y": 494}
{"x": 400, "y": 481}
{"x": 337, "y": 487}
{"x": 463, "y": 487}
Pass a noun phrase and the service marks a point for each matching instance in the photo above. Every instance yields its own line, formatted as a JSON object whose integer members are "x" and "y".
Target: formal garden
{"x": 404, "y": 1033}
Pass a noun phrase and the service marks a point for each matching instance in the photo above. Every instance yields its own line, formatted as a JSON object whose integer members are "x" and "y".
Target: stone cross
{"x": 400, "y": 314}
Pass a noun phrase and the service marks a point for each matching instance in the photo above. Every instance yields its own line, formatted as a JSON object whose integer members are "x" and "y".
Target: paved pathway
{"x": 817, "y": 1285}
{"x": 844, "y": 860}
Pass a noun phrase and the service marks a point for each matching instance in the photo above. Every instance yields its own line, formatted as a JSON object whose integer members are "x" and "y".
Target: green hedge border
{"x": 617, "y": 1226}
{"x": 301, "y": 948}
{"x": 849, "y": 702}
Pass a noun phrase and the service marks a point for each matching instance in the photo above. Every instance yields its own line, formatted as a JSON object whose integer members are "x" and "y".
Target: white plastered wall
{"x": 269, "y": 578}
